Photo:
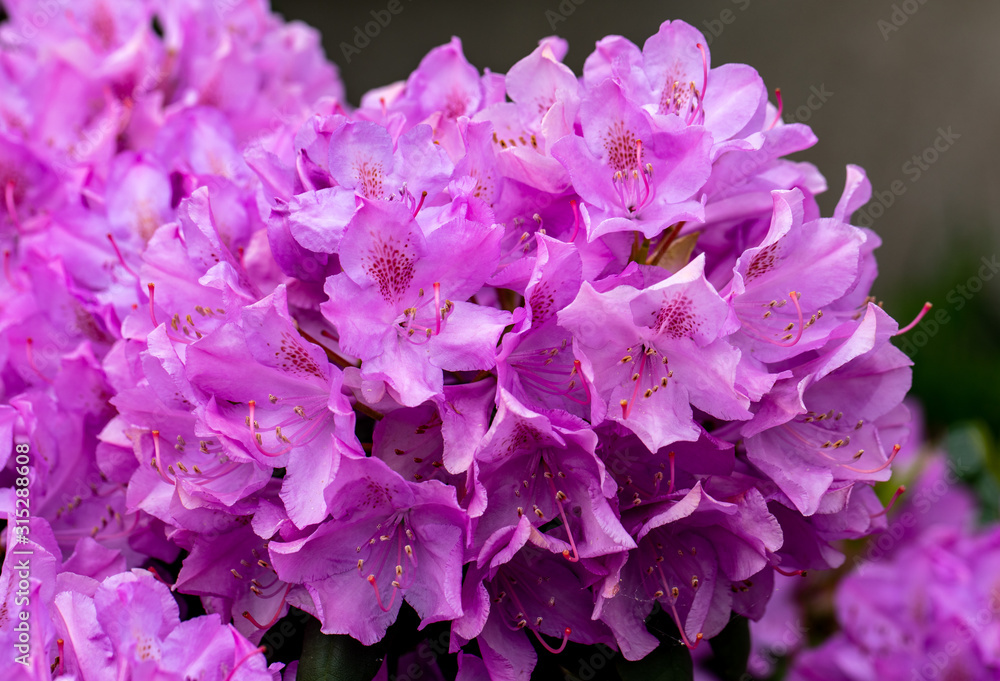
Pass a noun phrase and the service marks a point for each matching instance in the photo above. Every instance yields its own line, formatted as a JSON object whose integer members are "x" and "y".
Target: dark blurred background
{"x": 888, "y": 80}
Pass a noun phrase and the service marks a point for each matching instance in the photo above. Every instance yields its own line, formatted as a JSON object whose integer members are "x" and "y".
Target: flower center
{"x": 426, "y": 319}
{"x": 648, "y": 374}
{"x": 295, "y": 429}
{"x": 374, "y": 559}
{"x": 631, "y": 178}
{"x": 503, "y": 592}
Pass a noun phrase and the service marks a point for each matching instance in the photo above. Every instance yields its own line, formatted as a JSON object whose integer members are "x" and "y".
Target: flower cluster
{"x": 891, "y": 622}
{"x": 534, "y": 353}
{"x": 105, "y": 621}
{"x": 926, "y": 604}
{"x": 931, "y": 612}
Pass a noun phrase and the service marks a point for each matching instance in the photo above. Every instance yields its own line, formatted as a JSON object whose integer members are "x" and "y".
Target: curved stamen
{"x": 787, "y": 340}
{"x": 670, "y": 489}
{"x": 152, "y": 316}
{"x": 378, "y": 596}
{"x": 201, "y": 478}
{"x": 157, "y": 463}
{"x": 62, "y": 655}
{"x": 427, "y": 330}
{"x": 521, "y": 616}
{"x": 675, "y": 595}
{"x": 520, "y": 245}
{"x": 543, "y": 375}
{"x": 656, "y": 368}
{"x": 576, "y": 219}
{"x": 698, "y": 111}
{"x": 626, "y": 405}
{"x": 789, "y": 573}
{"x": 899, "y": 492}
{"x": 562, "y": 646}
{"x": 121, "y": 258}
{"x": 888, "y": 462}
{"x": 250, "y": 618}
{"x": 262, "y": 587}
{"x": 29, "y": 351}
{"x": 259, "y": 591}
{"x": 677, "y": 620}
{"x": 7, "y": 257}
{"x": 781, "y": 106}
{"x": 798, "y": 309}
{"x": 255, "y": 436}
{"x": 423, "y": 195}
{"x": 631, "y": 195}
{"x": 255, "y": 651}
{"x": 920, "y": 315}
{"x": 124, "y": 532}
{"x": 437, "y": 304}
{"x": 559, "y": 496}
{"x": 578, "y": 371}
{"x": 11, "y": 207}
{"x": 800, "y": 440}
{"x": 64, "y": 535}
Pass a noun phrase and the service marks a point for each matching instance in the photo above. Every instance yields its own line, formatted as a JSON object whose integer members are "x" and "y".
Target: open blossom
{"x": 926, "y": 612}
{"x": 535, "y": 353}
{"x": 399, "y": 305}
{"x": 651, "y": 354}
{"x": 387, "y": 540}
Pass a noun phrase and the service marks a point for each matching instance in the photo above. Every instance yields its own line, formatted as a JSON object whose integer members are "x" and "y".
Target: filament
{"x": 920, "y": 315}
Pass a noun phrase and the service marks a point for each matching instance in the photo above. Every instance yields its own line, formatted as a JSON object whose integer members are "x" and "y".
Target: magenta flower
{"x": 823, "y": 425}
{"x": 638, "y": 174}
{"x": 531, "y": 352}
{"x": 387, "y": 540}
{"x": 925, "y": 612}
{"x": 650, "y": 354}
{"x": 399, "y": 305}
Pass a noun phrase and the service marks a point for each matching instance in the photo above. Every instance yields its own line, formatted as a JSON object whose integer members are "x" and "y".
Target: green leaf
{"x": 337, "y": 657}
{"x": 731, "y": 650}
{"x": 678, "y": 254}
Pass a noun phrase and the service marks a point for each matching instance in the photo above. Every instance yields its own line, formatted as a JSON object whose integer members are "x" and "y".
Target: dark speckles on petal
{"x": 390, "y": 264}
{"x": 763, "y": 262}
{"x": 295, "y": 360}
{"x": 677, "y": 318}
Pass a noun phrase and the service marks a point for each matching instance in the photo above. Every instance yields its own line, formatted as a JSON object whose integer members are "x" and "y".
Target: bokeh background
{"x": 880, "y": 81}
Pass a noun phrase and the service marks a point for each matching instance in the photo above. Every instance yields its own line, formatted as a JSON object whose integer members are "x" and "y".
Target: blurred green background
{"x": 897, "y": 78}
